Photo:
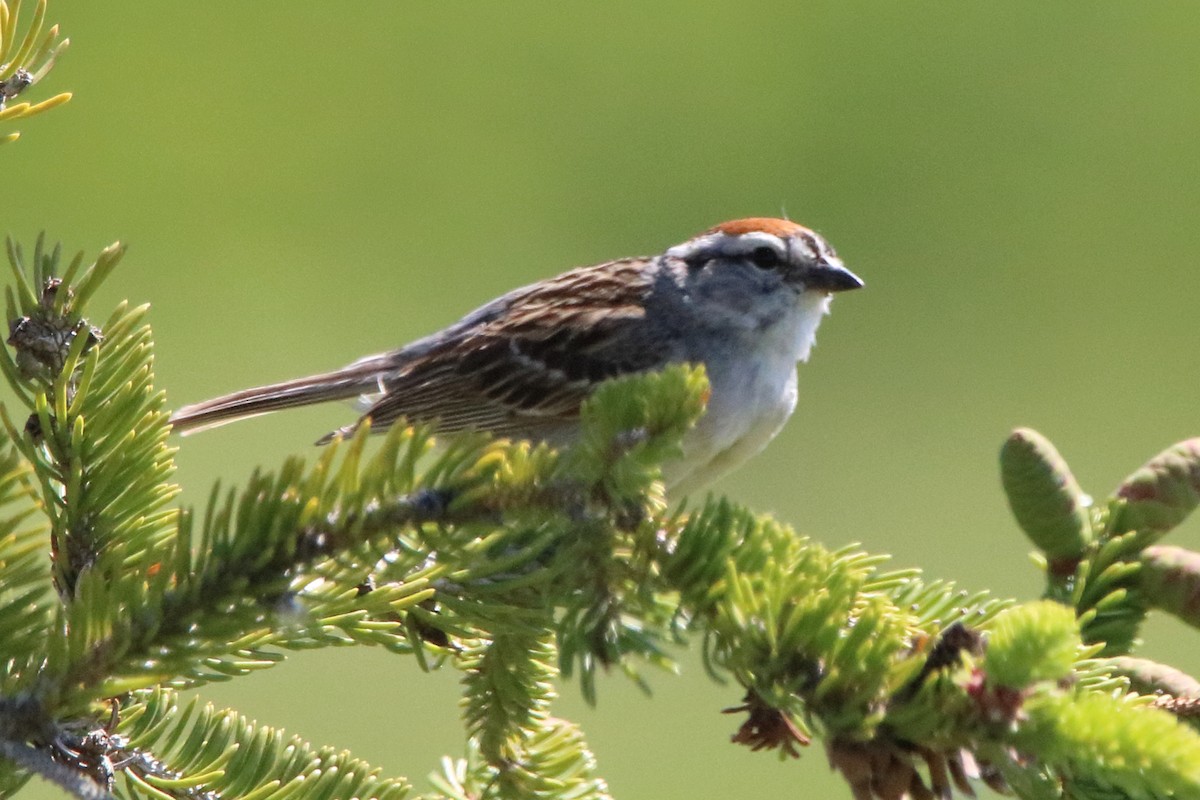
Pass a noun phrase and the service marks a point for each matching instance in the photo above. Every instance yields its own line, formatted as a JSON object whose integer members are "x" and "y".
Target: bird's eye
{"x": 765, "y": 257}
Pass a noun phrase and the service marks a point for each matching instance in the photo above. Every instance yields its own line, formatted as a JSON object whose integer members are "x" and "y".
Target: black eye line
{"x": 821, "y": 253}
{"x": 765, "y": 257}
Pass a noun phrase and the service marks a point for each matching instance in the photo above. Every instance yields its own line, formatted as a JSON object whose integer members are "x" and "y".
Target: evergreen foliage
{"x": 24, "y": 61}
{"x": 518, "y": 565}
{"x": 522, "y": 566}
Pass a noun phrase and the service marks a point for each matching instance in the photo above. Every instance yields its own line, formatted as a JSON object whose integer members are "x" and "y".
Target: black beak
{"x": 827, "y": 277}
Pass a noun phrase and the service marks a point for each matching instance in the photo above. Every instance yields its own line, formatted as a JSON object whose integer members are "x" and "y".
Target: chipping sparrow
{"x": 744, "y": 299}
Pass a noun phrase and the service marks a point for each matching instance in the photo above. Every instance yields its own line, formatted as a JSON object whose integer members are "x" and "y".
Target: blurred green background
{"x": 304, "y": 183}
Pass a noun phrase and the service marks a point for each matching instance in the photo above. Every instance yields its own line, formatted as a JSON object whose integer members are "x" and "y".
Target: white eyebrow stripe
{"x": 712, "y": 244}
{"x": 749, "y": 242}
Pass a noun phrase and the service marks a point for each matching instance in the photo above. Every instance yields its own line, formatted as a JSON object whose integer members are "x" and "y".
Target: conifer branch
{"x": 26, "y": 61}
{"x": 39, "y": 761}
{"x": 519, "y": 565}
{"x": 514, "y": 563}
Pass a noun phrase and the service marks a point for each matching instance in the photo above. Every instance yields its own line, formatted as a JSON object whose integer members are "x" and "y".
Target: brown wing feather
{"x": 528, "y": 370}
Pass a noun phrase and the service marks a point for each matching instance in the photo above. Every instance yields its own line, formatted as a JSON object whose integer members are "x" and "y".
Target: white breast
{"x": 753, "y": 394}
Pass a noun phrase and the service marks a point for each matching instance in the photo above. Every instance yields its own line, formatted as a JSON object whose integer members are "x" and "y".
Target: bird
{"x": 743, "y": 298}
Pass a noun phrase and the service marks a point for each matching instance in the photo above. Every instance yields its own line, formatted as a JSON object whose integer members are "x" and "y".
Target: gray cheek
{"x": 738, "y": 289}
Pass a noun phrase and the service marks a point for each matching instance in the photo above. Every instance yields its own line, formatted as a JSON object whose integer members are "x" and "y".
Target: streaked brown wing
{"x": 527, "y": 369}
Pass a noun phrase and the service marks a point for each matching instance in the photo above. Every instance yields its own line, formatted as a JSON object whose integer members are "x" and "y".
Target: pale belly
{"x": 743, "y": 416}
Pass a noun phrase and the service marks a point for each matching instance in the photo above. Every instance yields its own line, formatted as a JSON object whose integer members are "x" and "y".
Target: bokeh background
{"x": 304, "y": 183}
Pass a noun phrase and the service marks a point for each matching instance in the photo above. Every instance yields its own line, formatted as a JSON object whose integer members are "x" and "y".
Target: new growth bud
{"x": 1164, "y": 491}
{"x": 1045, "y": 497}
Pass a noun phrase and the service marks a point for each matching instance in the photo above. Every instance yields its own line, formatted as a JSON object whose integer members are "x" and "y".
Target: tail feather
{"x": 359, "y": 378}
